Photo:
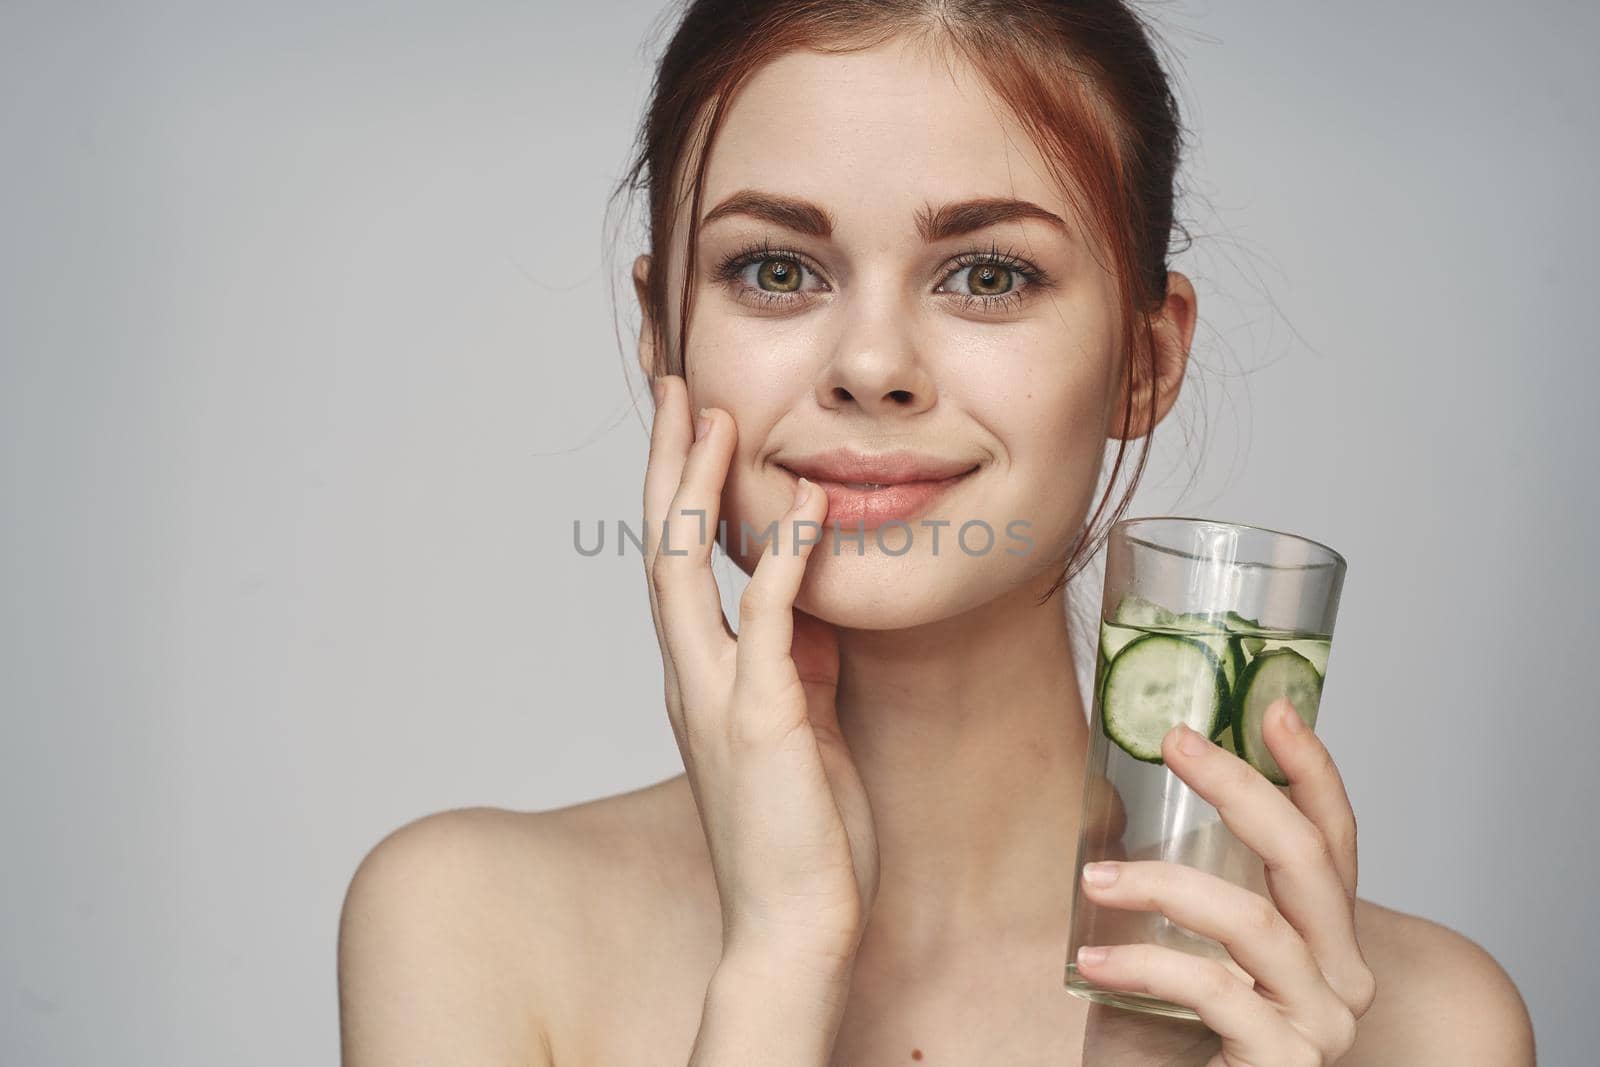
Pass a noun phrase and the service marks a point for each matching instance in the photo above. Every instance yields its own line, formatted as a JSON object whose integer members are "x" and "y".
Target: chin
{"x": 880, "y": 592}
{"x": 877, "y": 590}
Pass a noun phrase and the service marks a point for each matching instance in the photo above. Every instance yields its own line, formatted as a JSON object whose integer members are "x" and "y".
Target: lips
{"x": 845, "y": 467}
{"x": 866, "y": 491}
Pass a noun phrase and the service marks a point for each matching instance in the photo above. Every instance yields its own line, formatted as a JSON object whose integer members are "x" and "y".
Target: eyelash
{"x": 731, "y": 267}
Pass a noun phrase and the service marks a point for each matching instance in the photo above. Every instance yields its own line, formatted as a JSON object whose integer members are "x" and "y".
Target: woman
{"x": 917, "y": 243}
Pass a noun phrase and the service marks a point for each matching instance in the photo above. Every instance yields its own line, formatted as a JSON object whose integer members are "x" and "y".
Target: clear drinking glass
{"x": 1208, "y": 623}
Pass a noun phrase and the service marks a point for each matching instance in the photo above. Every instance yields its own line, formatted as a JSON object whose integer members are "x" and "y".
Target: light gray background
{"x": 308, "y": 366}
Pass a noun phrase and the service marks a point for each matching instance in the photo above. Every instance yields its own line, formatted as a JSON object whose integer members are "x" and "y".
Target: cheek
{"x": 1048, "y": 379}
{"x": 1055, "y": 454}
{"x": 746, "y": 366}
{"x": 750, "y": 379}
{"x": 729, "y": 340}
{"x": 1046, "y": 402}
{"x": 1062, "y": 429}
{"x": 1049, "y": 415}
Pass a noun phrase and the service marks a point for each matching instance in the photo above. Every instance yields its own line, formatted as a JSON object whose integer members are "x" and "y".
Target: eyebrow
{"x": 933, "y": 224}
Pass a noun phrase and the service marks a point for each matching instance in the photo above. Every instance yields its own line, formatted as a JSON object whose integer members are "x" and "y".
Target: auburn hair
{"x": 1081, "y": 77}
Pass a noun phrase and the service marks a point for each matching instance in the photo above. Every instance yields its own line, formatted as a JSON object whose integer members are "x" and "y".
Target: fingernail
{"x": 1089, "y": 955}
{"x": 702, "y": 425}
{"x": 1292, "y": 721}
{"x": 801, "y": 491}
{"x": 1189, "y": 741}
{"x": 1100, "y": 874}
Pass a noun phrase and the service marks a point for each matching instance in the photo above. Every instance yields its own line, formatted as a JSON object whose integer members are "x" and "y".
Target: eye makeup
{"x": 730, "y": 272}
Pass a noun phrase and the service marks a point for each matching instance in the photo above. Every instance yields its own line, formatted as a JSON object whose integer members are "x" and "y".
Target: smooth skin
{"x": 869, "y": 853}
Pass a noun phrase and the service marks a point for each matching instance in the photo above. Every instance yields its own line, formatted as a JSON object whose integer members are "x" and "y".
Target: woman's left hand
{"x": 1311, "y": 984}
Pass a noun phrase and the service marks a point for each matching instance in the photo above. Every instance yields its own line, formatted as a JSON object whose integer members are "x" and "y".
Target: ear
{"x": 1172, "y": 329}
{"x": 647, "y": 333}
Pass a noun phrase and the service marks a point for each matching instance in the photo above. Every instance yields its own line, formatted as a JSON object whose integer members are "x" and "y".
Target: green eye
{"x": 783, "y": 274}
{"x": 989, "y": 279}
{"x": 998, "y": 281}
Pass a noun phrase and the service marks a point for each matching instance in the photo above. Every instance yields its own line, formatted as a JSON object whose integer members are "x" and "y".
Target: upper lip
{"x": 883, "y": 468}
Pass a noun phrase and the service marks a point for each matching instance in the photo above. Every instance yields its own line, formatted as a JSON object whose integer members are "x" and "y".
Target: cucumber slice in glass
{"x": 1314, "y": 649}
{"x": 1232, "y": 664}
{"x": 1247, "y": 631}
{"x": 1137, "y": 611}
{"x": 1100, "y": 665}
{"x": 1276, "y": 673}
{"x": 1216, "y": 637}
{"x": 1114, "y": 638}
{"x": 1156, "y": 682}
{"x": 1239, "y": 624}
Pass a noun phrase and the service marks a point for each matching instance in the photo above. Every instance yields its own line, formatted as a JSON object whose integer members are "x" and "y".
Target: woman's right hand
{"x": 786, "y": 817}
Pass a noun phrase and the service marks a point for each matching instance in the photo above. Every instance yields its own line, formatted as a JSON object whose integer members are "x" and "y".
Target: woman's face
{"x": 856, "y": 304}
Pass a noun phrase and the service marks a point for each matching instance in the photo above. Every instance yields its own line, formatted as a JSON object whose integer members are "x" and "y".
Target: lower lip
{"x": 853, "y": 508}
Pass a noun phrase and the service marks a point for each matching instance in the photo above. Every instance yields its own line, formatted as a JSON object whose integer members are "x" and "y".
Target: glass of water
{"x": 1206, "y": 623}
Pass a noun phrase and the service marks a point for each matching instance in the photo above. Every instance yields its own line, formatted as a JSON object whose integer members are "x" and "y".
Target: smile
{"x": 867, "y": 505}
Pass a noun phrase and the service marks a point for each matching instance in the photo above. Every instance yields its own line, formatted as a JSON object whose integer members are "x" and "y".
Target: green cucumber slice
{"x": 1197, "y": 620}
{"x": 1156, "y": 682}
{"x": 1232, "y": 665}
{"x": 1239, "y": 624}
{"x": 1137, "y": 611}
{"x": 1228, "y": 650}
{"x": 1100, "y": 665}
{"x": 1276, "y": 673}
{"x": 1114, "y": 638}
{"x": 1247, "y": 631}
{"x": 1216, "y": 638}
{"x": 1314, "y": 649}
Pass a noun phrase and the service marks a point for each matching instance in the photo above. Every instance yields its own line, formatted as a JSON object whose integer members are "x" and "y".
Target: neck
{"x": 970, "y": 737}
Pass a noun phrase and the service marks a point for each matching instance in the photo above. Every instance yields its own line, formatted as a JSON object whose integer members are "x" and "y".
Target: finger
{"x": 686, "y": 589}
{"x": 1247, "y": 924}
{"x": 1300, "y": 871}
{"x": 1315, "y": 785}
{"x": 662, "y": 473}
{"x": 670, "y": 437}
{"x": 1251, "y": 1029}
{"x": 766, "y": 609}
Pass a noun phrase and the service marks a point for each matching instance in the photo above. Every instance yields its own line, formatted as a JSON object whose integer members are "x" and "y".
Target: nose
{"x": 878, "y": 371}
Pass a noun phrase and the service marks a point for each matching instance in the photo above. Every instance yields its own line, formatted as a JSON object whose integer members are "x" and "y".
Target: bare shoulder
{"x": 1442, "y": 999}
{"x": 466, "y": 932}
{"x": 423, "y": 973}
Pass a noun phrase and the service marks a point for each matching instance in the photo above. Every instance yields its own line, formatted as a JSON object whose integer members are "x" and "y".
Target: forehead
{"x": 875, "y": 135}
